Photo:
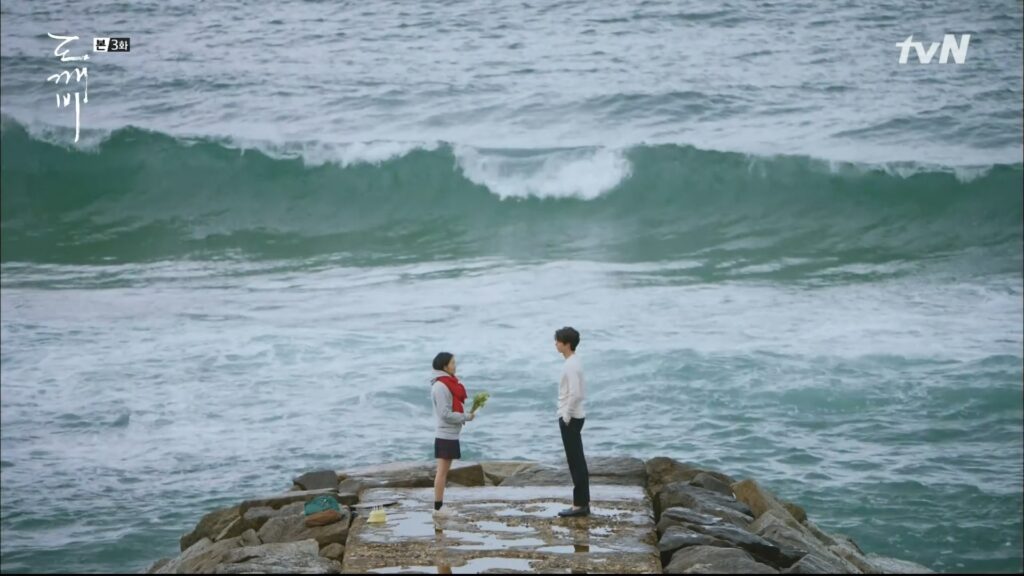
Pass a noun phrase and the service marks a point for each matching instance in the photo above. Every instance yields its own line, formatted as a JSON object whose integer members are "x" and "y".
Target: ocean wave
{"x": 141, "y": 195}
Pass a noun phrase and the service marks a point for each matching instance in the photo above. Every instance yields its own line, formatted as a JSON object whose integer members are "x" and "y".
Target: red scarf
{"x": 456, "y": 388}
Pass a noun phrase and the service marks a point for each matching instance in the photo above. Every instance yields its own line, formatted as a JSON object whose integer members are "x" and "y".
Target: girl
{"x": 449, "y": 397}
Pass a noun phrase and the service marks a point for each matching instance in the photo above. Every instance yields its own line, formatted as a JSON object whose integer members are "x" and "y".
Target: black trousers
{"x": 573, "y": 443}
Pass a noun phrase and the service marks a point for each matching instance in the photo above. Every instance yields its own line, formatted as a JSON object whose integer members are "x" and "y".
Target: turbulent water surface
{"x": 790, "y": 257}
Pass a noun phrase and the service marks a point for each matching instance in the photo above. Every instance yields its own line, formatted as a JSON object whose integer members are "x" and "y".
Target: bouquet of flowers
{"x": 479, "y": 400}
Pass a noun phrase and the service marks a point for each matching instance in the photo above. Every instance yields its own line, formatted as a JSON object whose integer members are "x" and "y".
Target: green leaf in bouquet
{"x": 479, "y": 400}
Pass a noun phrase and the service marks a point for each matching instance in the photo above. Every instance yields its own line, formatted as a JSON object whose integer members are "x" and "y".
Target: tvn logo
{"x": 950, "y": 46}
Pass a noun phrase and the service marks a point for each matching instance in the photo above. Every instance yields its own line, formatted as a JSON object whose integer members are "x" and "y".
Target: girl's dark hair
{"x": 568, "y": 336}
{"x": 441, "y": 360}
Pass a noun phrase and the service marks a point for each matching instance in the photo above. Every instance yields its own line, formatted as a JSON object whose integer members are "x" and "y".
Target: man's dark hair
{"x": 441, "y": 360}
{"x": 568, "y": 336}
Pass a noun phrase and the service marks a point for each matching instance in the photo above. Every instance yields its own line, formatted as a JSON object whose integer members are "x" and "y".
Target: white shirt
{"x": 571, "y": 389}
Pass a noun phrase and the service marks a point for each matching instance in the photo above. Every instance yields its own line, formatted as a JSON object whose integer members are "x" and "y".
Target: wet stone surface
{"x": 506, "y": 529}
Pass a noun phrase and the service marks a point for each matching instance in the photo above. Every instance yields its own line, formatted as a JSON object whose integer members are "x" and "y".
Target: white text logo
{"x": 949, "y": 46}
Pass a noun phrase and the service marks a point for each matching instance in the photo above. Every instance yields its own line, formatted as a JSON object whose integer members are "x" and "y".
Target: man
{"x": 571, "y": 390}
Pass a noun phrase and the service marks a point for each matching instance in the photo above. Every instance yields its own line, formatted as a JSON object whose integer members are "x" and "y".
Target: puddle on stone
{"x": 501, "y": 527}
{"x": 405, "y": 569}
{"x": 512, "y": 512}
{"x": 400, "y": 525}
{"x": 470, "y": 541}
{"x": 474, "y": 566}
{"x": 603, "y": 511}
{"x": 522, "y": 522}
{"x": 523, "y": 494}
{"x": 550, "y": 509}
{"x": 482, "y": 564}
{"x": 574, "y": 549}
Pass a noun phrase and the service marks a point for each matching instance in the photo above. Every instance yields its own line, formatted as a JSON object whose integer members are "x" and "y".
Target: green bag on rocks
{"x": 322, "y": 504}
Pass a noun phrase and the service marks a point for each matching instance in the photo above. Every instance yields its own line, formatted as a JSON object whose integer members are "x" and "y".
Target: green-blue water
{"x": 785, "y": 262}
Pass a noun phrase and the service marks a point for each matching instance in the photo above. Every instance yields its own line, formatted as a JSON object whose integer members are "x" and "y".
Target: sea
{"x": 230, "y": 252}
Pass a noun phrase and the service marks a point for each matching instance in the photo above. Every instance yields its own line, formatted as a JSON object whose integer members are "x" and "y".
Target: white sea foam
{"x": 584, "y": 173}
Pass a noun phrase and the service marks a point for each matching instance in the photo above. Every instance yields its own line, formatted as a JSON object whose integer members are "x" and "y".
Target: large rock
{"x": 540, "y": 475}
{"x": 497, "y": 471}
{"x": 662, "y": 471}
{"x": 884, "y": 565}
{"x": 464, "y": 474}
{"x": 204, "y": 556}
{"x": 348, "y": 491}
{"x": 848, "y": 542}
{"x": 293, "y": 529}
{"x": 852, "y": 556}
{"x": 348, "y": 498}
{"x": 794, "y": 510}
{"x": 317, "y": 480}
{"x": 333, "y": 551}
{"x": 758, "y": 499}
{"x": 676, "y": 537}
{"x": 258, "y": 516}
{"x": 237, "y": 527}
{"x": 352, "y": 484}
{"x": 351, "y": 489}
{"x": 281, "y": 500}
{"x": 842, "y": 547}
{"x": 765, "y": 550}
{"x": 700, "y": 499}
{"x": 773, "y": 516}
{"x": 411, "y": 473}
{"x": 210, "y": 526}
{"x": 773, "y": 526}
{"x": 818, "y": 533}
{"x": 606, "y": 470}
{"x": 415, "y": 474}
{"x": 705, "y": 480}
{"x": 617, "y": 470}
{"x": 679, "y": 516}
{"x": 715, "y": 560}
{"x": 278, "y": 558}
{"x": 777, "y": 529}
{"x": 760, "y": 548}
{"x": 813, "y": 564}
{"x": 725, "y": 514}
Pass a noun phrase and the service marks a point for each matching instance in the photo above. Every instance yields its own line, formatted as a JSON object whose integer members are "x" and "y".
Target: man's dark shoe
{"x": 574, "y": 512}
